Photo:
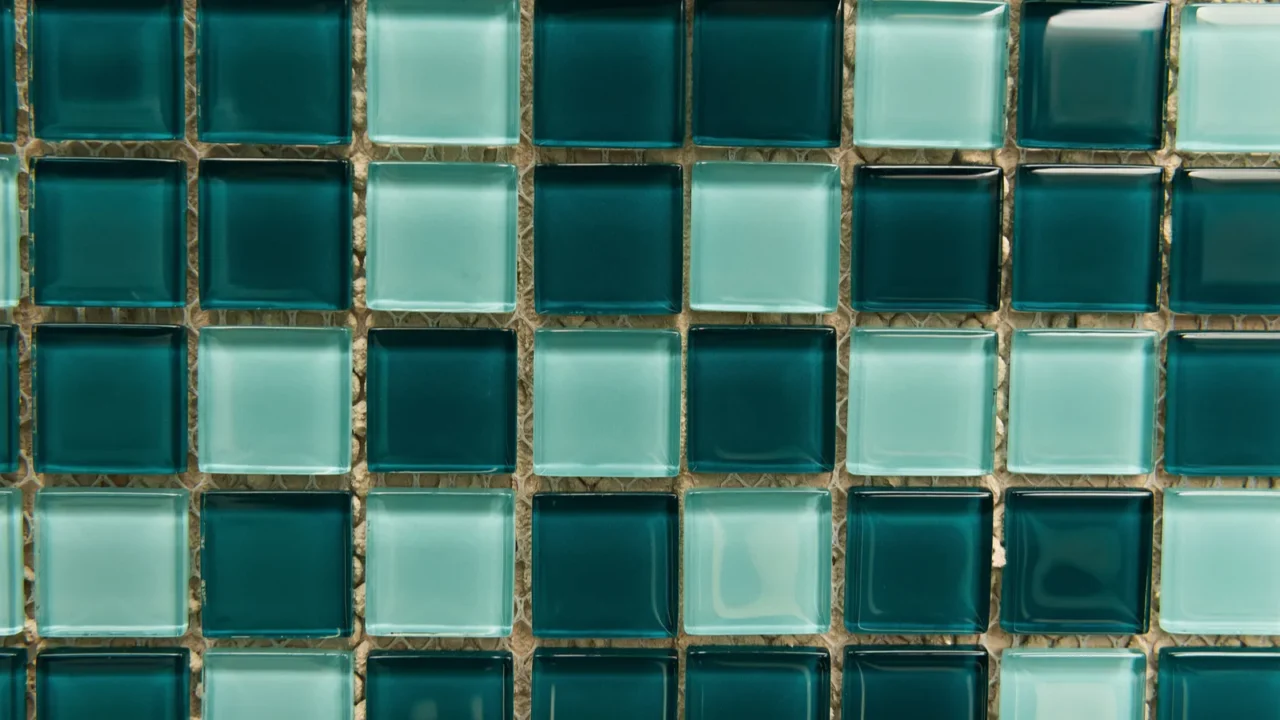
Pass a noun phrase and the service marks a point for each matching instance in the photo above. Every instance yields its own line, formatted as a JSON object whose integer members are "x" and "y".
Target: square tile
{"x": 610, "y": 239}
{"x": 1082, "y": 402}
{"x": 113, "y": 684}
{"x": 275, "y": 400}
{"x": 605, "y": 564}
{"x": 761, "y": 399}
{"x": 926, "y": 238}
{"x": 1078, "y": 561}
{"x": 757, "y": 683}
{"x": 606, "y": 403}
{"x": 8, "y": 82}
{"x": 443, "y": 72}
{"x": 1086, "y": 238}
{"x": 915, "y": 683}
{"x": 12, "y": 570}
{"x": 1073, "y": 684}
{"x": 111, "y": 232}
{"x": 441, "y": 237}
{"x": 13, "y": 683}
{"x": 10, "y": 390}
{"x": 765, "y": 237}
{"x": 109, "y": 71}
{"x": 440, "y": 562}
{"x": 921, "y": 402}
{"x": 1217, "y": 683}
{"x": 919, "y": 560}
{"x": 757, "y": 561}
{"x": 588, "y": 683}
{"x": 276, "y": 564}
{"x": 278, "y": 684}
{"x": 110, "y": 399}
{"x": 401, "y": 685}
{"x": 10, "y": 232}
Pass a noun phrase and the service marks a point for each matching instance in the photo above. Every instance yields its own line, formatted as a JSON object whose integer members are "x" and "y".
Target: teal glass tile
{"x": 590, "y": 683}
{"x": 1197, "y": 683}
{"x": 13, "y": 683}
{"x": 921, "y": 402}
{"x": 767, "y": 72}
{"x": 757, "y": 561}
{"x": 110, "y": 399}
{"x": 467, "y": 260}
{"x": 441, "y": 400}
{"x": 919, "y": 560}
{"x": 109, "y": 232}
{"x": 915, "y": 682}
{"x": 113, "y": 684}
{"x": 440, "y": 562}
{"x": 1073, "y": 684}
{"x": 765, "y": 237}
{"x": 761, "y": 399}
{"x": 106, "y": 71}
{"x": 757, "y": 683}
{"x": 605, "y": 564}
{"x": 475, "y": 685}
{"x": 12, "y": 571}
{"x": 444, "y": 72}
{"x": 10, "y": 232}
{"x": 111, "y": 562}
{"x": 274, "y": 71}
{"x": 1078, "y": 561}
{"x": 275, "y": 400}
{"x": 926, "y": 238}
{"x": 610, "y": 239}
{"x": 930, "y": 74}
{"x": 8, "y": 77}
{"x": 1086, "y": 238}
{"x": 278, "y": 684}
{"x": 1082, "y": 402}
{"x": 10, "y": 389}
{"x": 1217, "y": 574}
{"x": 276, "y": 564}
{"x": 606, "y": 403}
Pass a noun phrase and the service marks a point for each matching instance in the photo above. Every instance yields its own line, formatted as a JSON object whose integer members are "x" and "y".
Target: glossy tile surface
{"x": 1072, "y": 684}
{"x": 10, "y": 390}
{"x": 113, "y": 684}
{"x": 278, "y": 684}
{"x": 915, "y": 683}
{"x": 622, "y": 684}
{"x": 13, "y": 683}
{"x": 8, "y": 74}
{"x": 765, "y": 237}
{"x": 757, "y": 683}
{"x": 403, "y": 685}
{"x": 757, "y": 561}
{"x": 1217, "y": 683}
{"x": 10, "y": 232}
{"x": 12, "y": 570}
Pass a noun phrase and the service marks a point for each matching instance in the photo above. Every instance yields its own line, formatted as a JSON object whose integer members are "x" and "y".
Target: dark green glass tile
{"x": 9, "y": 392}
{"x": 13, "y": 684}
{"x": 1078, "y": 561}
{"x": 414, "y": 685}
{"x": 926, "y": 238}
{"x": 110, "y": 399}
{"x": 761, "y": 399}
{"x": 609, "y": 239}
{"x": 8, "y": 79}
{"x": 113, "y": 684}
{"x": 109, "y": 232}
{"x": 919, "y": 560}
{"x": 915, "y": 683}
{"x": 275, "y": 234}
{"x": 592, "y": 683}
{"x": 276, "y": 564}
{"x": 757, "y": 683}
{"x": 1218, "y": 684}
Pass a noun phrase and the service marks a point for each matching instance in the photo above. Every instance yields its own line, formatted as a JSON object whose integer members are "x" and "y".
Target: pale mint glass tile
{"x": 1229, "y": 78}
{"x": 765, "y": 237}
{"x": 444, "y": 72}
{"x": 275, "y": 400}
{"x": 757, "y": 561}
{"x": 441, "y": 237}
{"x": 1072, "y": 684}
{"x": 10, "y": 218}
{"x": 12, "y": 598}
{"x": 1082, "y": 402}
{"x": 1218, "y": 569}
{"x": 606, "y": 403}
{"x": 440, "y": 562}
{"x": 921, "y": 402}
{"x": 278, "y": 684}
{"x": 111, "y": 562}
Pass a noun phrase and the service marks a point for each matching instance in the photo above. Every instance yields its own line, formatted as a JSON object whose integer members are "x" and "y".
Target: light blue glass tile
{"x": 278, "y": 684}
{"x": 10, "y": 219}
{"x": 12, "y": 597}
{"x": 1072, "y": 684}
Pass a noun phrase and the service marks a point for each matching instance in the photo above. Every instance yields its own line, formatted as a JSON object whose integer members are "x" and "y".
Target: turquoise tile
{"x": 606, "y": 403}
{"x": 930, "y": 74}
{"x": 1073, "y": 684}
{"x": 444, "y": 72}
{"x": 278, "y": 684}
{"x": 757, "y": 561}
{"x": 915, "y": 682}
{"x": 10, "y": 232}
{"x": 440, "y": 562}
{"x": 10, "y": 390}
{"x": 921, "y": 402}
{"x": 475, "y": 685}
{"x": 113, "y": 684}
{"x": 1217, "y": 573}
{"x": 757, "y": 683}
{"x": 8, "y": 79}
{"x": 12, "y": 570}
{"x": 590, "y": 683}
{"x": 1082, "y": 402}
{"x": 275, "y": 400}
{"x": 13, "y": 683}
{"x": 765, "y": 237}
{"x": 467, "y": 263}
{"x": 1197, "y": 683}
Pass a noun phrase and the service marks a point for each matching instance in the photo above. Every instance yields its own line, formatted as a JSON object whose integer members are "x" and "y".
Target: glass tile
{"x": 919, "y": 560}
{"x": 10, "y": 389}
{"x": 410, "y": 685}
{"x": 13, "y": 684}
{"x": 1078, "y": 561}
{"x": 915, "y": 682}
{"x": 113, "y": 684}
{"x": 757, "y": 683}
{"x": 440, "y": 562}
{"x": 605, "y": 564}
{"x": 591, "y": 683}
{"x": 8, "y": 86}
{"x": 1086, "y": 238}
{"x": 1218, "y": 562}
{"x": 275, "y": 400}
{"x": 921, "y": 402}
{"x": 12, "y": 570}
{"x": 610, "y": 239}
{"x": 10, "y": 232}
{"x": 765, "y": 237}
{"x": 111, "y": 232}
{"x": 276, "y": 564}
{"x": 606, "y": 403}
{"x": 110, "y": 399}
{"x": 107, "y": 71}
{"x": 1217, "y": 683}
{"x": 1073, "y": 684}
{"x": 444, "y": 72}
{"x": 757, "y": 561}
{"x": 1082, "y": 402}
{"x": 761, "y": 399}
{"x": 278, "y": 684}
{"x": 926, "y": 238}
